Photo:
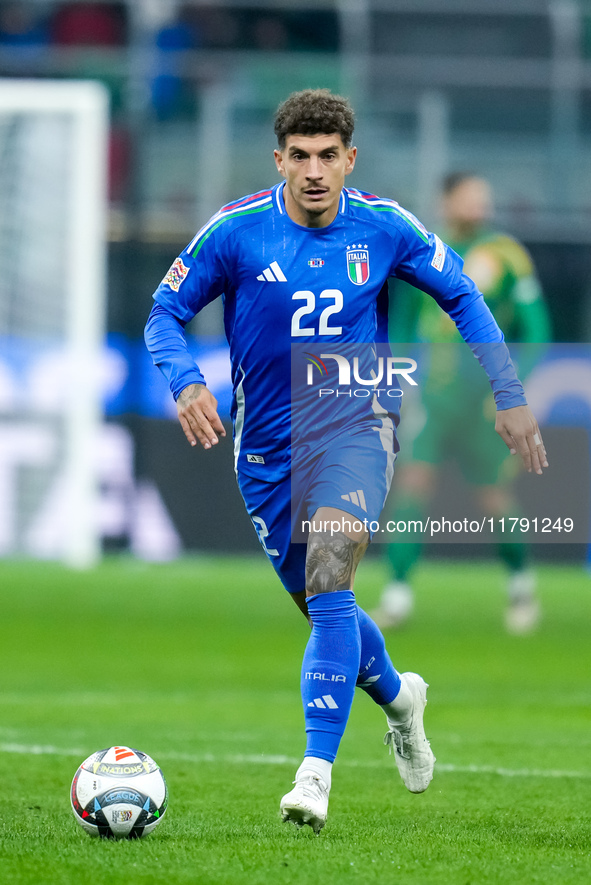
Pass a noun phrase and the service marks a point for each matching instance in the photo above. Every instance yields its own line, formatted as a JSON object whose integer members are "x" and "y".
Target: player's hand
{"x": 197, "y": 409}
{"x": 520, "y": 432}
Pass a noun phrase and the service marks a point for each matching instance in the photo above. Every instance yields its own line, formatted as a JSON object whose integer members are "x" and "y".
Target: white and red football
{"x": 119, "y": 793}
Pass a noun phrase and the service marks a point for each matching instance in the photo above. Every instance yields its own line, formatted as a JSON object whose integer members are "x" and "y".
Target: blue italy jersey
{"x": 318, "y": 288}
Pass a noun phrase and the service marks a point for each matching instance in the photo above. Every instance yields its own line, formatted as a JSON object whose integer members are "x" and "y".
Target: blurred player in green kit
{"x": 458, "y": 416}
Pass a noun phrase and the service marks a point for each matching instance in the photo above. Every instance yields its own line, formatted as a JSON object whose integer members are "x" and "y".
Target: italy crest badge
{"x": 358, "y": 264}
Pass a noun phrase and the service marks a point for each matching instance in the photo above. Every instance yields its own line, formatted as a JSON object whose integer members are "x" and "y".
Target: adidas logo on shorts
{"x": 357, "y": 498}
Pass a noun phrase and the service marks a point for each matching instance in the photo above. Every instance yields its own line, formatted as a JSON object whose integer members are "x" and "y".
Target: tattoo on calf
{"x": 331, "y": 561}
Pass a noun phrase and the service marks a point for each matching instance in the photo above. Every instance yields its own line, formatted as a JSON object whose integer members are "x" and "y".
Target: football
{"x": 119, "y": 793}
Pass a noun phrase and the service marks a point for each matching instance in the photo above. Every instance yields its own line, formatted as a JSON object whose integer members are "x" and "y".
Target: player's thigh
{"x": 353, "y": 476}
{"x": 269, "y": 507}
{"x": 346, "y": 494}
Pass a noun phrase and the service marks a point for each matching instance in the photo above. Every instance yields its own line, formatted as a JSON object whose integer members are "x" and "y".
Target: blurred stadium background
{"x": 500, "y": 87}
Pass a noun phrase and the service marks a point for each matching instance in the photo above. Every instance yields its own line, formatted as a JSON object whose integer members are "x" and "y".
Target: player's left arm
{"x": 532, "y": 318}
{"x": 520, "y": 432}
{"x": 517, "y": 427}
{"x": 532, "y": 326}
{"x": 436, "y": 269}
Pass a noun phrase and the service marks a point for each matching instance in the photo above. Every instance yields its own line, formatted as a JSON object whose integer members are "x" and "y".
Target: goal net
{"x": 53, "y": 149}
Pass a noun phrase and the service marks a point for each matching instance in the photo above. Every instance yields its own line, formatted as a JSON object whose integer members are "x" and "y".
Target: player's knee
{"x": 496, "y": 500}
{"x": 416, "y": 478}
{"x": 331, "y": 561}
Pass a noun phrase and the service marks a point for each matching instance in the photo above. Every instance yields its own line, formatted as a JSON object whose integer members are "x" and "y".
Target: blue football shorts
{"x": 354, "y": 474}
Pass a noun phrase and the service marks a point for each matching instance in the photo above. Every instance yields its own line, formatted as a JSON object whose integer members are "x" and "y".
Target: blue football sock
{"x": 329, "y": 671}
{"x": 377, "y": 675}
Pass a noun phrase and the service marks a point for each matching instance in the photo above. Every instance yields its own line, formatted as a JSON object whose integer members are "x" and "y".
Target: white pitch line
{"x": 40, "y": 750}
{"x": 508, "y": 772}
{"x": 252, "y": 759}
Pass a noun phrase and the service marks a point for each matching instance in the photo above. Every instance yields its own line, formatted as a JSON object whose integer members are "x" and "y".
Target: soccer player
{"x": 504, "y": 273}
{"x": 307, "y": 262}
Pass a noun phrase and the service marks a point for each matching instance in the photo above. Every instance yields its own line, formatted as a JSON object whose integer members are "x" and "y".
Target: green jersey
{"x": 503, "y": 271}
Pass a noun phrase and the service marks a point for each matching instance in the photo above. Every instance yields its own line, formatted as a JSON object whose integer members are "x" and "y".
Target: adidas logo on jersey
{"x": 325, "y": 701}
{"x": 273, "y": 274}
{"x": 357, "y": 498}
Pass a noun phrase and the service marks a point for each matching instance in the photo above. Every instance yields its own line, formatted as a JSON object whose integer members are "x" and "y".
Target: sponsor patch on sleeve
{"x": 176, "y": 275}
{"x": 438, "y": 259}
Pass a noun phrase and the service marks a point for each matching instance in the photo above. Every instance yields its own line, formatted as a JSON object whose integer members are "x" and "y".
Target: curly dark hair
{"x": 314, "y": 112}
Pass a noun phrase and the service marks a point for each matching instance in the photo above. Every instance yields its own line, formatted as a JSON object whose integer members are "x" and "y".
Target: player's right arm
{"x": 196, "y": 405}
{"x": 197, "y": 410}
{"x": 195, "y": 278}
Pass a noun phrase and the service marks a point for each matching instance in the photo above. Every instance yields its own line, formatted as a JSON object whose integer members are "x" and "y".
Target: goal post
{"x": 53, "y": 205}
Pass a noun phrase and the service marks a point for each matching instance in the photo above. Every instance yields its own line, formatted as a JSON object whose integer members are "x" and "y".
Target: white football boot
{"x": 412, "y": 751}
{"x": 396, "y": 606}
{"x": 307, "y": 803}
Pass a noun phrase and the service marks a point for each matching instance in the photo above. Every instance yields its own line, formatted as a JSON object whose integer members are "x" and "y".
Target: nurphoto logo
{"x": 384, "y": 369}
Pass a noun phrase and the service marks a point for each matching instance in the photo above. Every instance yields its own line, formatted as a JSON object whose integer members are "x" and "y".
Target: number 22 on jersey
{"x": 334, "y": 295}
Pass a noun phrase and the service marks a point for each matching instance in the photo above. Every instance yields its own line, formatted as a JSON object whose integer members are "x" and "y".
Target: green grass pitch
{"x": 197, "y": 663}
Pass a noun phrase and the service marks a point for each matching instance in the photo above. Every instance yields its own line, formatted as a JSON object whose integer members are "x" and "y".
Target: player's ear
{"x": 278, "y": 155}
{"x": 351, "y": 157}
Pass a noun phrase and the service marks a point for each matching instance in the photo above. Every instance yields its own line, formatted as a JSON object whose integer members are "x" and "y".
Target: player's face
{"x": 314, "y": 168}
{"x": 468, "y": 206}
